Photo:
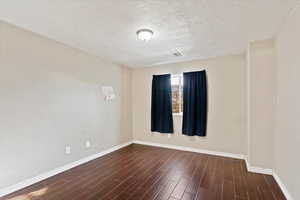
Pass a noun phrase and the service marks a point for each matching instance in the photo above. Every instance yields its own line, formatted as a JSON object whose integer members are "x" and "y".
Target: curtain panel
{"x": 161, "y": 104}
{"x": 194, "y": 103}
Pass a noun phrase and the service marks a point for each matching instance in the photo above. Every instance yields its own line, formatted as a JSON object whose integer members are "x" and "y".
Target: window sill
{"x": 177, "y": 114}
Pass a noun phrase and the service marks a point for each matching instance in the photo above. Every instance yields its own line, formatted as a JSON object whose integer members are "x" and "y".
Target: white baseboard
{"x": 56, "y": 171}
{"x": 224, "y": 154}
{"x": 217, "y": 153}
{"x": 283, "y": 188}
{"x": 182, "y": 148}
{"x": 272, "y": 173}
{"x": 28, "y": 182}
{"x": 258, "y": 169}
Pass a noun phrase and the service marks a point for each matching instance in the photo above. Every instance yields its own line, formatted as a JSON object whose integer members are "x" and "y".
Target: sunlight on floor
{"x": 30, "y": 195}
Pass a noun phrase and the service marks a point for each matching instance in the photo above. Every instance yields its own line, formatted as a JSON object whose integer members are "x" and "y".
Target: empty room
{"x": 149, "y": 100}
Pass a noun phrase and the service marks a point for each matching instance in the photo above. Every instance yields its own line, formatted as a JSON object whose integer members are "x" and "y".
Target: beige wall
{"x": 50, "y": 97}
{"x": 287, "y": 134}
{"x": 262, "y": 90}
{"x": 226, "y": 107}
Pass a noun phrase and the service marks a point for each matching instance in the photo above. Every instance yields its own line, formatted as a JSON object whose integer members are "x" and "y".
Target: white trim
{"x": 225, "y": 154}
{"x": 271, "y": 172}
{"x": 282, "y": 186}
{"x": 28, "y": 182}
{"x": 31, "y": 181}
{"x": 217, "y": 153}
{"x": 258, "y": 169}
{"x": 178, "y": 114}
{"x": 248, "y": 102}
{"x": 182, "y": 148}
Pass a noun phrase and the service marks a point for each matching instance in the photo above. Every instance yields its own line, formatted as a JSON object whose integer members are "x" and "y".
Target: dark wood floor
{"x": 144, "y": 172}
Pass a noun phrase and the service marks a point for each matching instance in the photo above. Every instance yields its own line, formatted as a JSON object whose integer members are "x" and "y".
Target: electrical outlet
{"x": 169, "y": 135}
{"x": 68, "y": 149}
{"x": 87, "y": 144}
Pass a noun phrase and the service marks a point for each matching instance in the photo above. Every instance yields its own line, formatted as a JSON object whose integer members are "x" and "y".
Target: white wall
{"x": 226, "y": 130}
{"x": 287, "y": 134}
{"x": 262, "y": 95}
{"x": 50, "y": 97}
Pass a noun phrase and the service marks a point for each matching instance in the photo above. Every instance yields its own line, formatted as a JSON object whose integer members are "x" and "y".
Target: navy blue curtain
{"x": 161, "y": 104}
{"x": 194, "y": 103}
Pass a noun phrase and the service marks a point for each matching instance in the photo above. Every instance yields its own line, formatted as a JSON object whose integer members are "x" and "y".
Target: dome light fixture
{"x": 144, "y": 34}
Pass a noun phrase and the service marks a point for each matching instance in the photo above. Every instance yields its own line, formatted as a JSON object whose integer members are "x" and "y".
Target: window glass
{"x": 176, "y": 82}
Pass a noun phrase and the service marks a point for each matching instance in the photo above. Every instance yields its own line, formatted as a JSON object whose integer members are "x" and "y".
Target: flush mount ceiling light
{"x": 144, "y": 34}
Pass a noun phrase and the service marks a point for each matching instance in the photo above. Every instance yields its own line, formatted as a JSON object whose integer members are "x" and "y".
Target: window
{"x": 177, "y": 96}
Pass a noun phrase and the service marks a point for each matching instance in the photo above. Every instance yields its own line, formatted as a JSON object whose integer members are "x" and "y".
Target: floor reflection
{"x": 30, "y": 195}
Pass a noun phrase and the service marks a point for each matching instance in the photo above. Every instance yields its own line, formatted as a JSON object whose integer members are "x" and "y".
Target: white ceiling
{"x": 197, "y": 28}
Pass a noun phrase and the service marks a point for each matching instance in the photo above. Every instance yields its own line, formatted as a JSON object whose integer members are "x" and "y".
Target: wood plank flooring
{"x": 150, "y": 173}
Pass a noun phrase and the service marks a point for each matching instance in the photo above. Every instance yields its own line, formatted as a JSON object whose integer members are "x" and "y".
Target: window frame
{"x": 180, "y": 84}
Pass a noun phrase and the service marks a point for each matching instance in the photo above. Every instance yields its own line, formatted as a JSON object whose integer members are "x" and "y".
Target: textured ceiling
{"x": 197, "y": 28}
